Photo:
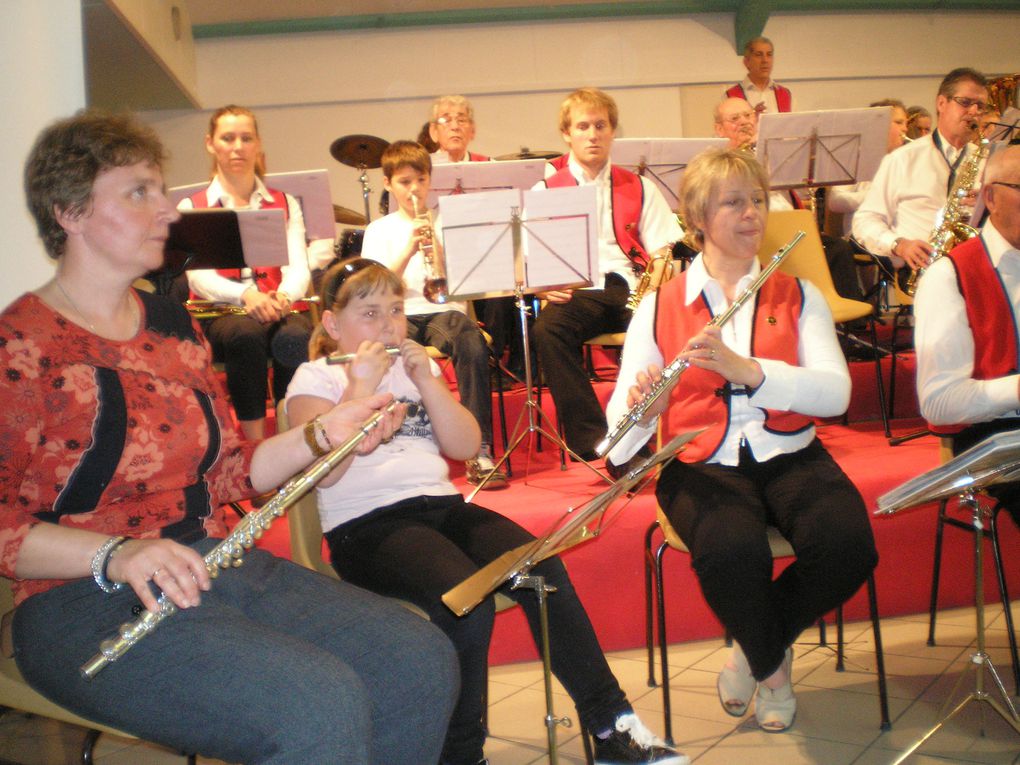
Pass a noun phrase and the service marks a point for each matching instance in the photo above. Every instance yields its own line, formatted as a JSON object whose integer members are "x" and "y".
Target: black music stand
{"x": 501, "y": 243}
{"x": 569, "y": 530}
{"x": 992, "y": 461}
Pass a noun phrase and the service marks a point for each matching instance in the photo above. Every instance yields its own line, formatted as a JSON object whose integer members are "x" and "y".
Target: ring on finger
{"x": 711, "y": 353}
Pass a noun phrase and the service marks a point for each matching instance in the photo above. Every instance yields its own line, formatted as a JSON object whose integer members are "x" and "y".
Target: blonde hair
{"x": 348, "y": 279}
{"x": 703, "y": 176}
{"x": 592, "y": 98}
{"x": 237, "y": 111}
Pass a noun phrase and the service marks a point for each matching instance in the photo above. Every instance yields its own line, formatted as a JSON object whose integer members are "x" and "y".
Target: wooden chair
{"x": 780, "y": 549}
{"x": 807, "y": 261}
{"x": 15, "y": 693}
{"x": 944, "y": 519}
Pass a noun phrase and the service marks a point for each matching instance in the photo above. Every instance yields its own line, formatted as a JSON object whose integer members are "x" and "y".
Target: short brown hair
{"x": 593, "y": 98}
{"x": 702, "y": 178}
{"x": 750, "y": 43}
{"x": 70, "y": 154}
{"x": 963, "y": 74}
{"x": 355, "y": 277}
{"x": 405, "y": 154}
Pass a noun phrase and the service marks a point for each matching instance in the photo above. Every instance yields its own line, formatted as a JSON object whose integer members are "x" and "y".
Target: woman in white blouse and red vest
{"x": 755, "y": 384}
{"x": 270, "y": 328}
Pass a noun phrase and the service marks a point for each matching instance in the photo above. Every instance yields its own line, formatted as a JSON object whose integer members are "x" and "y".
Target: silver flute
{"x": 229, "y": 552}
{"x": 672, "y": 372}
{"x": 347, "y": 358}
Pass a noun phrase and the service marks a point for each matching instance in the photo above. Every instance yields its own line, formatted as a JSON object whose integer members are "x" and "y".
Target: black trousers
{"x": 419, "y": 548}
{"x": 721, "y": 513}
{"x": 246, "y": 345}
{"x": 560, "y": 332}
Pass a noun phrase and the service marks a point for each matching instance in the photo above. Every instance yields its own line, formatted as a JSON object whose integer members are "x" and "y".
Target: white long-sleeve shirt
{"x": 944, "y": 342}
{"x": 818, "y": 387}
{"x": 209, "y": 285}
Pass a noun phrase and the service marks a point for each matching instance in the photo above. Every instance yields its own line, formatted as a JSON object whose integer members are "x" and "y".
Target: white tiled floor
{"x": 837, "y": 720}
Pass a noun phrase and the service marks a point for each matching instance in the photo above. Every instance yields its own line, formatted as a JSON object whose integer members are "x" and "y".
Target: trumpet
{"x": 672, "y": 372}
{"x": 230, "y": 551}
{"x": 347, "y": 358}
{"x": 213, "y": 309}
{"x": 434, "y": 288}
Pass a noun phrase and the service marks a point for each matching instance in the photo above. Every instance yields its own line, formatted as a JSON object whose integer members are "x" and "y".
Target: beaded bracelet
{"x": 101, "y": 560}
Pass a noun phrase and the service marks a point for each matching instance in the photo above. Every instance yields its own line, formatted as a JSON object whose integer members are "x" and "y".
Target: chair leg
{"x": 649, "y": 565}
{"x": 880, "y": 379}
{"x": 1004, "y": 593}
{"x": 840, "y": 665}
{"x": 883, "y": 691}
{"x": 823, "y": 640}
{"x": 589, "y": 754}
{"x": 936, "y": 571}
{"x": 667, "y": 707}
{"x": 88, "y": 746}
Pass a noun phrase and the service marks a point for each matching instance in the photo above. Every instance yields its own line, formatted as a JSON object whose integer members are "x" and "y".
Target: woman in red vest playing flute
{"x": 755, "y": 384}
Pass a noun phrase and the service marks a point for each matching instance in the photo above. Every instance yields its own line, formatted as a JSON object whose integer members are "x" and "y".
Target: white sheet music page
{"x": 478, "y": 242}
{"x": 263, "y": 237}
{"x": 560, "y": 238}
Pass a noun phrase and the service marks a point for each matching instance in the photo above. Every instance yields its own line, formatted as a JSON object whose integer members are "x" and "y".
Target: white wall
{"x": 666, "y": 73}
{"x": 41, "y": 78}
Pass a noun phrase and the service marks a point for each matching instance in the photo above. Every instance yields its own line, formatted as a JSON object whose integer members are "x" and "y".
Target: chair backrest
{"x": 303, "y": 521}
{"x": 807, "y": 260}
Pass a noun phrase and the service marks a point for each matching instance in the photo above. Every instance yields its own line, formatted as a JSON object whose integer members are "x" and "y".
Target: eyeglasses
{"x": 1014, "y": 186}
{"x": 967, "y": 103}
{"x": 446, "y": 119}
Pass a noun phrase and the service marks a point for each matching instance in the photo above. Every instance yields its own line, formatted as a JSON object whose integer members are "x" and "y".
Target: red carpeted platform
{"x": 607, "y": 571}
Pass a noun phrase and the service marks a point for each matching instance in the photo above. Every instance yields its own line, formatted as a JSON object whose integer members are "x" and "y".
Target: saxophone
{"x": 658, "y": 271}
{"x": 228, "y": 553}
{"x": 951, "y": 222}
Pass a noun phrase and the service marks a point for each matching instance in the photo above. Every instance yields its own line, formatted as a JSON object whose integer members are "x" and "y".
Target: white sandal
{"x": 736, "y": 686}
{"x": 777, "y": 708}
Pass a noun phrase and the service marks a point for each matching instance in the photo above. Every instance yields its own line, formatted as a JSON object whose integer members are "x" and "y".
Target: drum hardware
{"x": 348, "y": 217}
{"x": 363, "y": 152}
{"x": 526, "y": 153}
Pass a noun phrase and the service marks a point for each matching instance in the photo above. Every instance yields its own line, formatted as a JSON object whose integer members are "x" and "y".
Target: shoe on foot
{"x": 616, "y": 472}
{"x": 632, "y": 742}
{"x": 776, "y": 708}
{"x": 736, "y": 686}
{"x": 481, "y": 466}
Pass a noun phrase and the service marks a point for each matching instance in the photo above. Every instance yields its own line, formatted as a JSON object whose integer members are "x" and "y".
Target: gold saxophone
{"x": 658, "y": 271}
{"x": 229, "y": 552}
{"x": 213, "y": 309}
{"x": 672, "y": 372}
{"x": 951, "y": 222}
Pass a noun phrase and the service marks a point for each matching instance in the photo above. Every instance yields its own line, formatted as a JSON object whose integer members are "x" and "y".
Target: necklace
{"x": 74, "y": 305}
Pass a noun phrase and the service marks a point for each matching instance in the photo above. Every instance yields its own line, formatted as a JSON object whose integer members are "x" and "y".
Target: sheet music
{"x": 560, "y": 237}
{"x": 661, "y": 160}
{"x": 478, "y": 242}
{"x": 311, "y": 189}
{"x": 263, "y": 237}
{"x": 453, "y": 178}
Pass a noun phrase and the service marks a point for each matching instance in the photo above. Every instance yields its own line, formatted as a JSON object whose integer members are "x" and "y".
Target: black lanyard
{"x": 936, "y": 138}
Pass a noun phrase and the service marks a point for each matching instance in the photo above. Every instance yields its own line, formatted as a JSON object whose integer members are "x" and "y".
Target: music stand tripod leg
{"x": 979, "y": 660}
{"x": 541, "y": 589}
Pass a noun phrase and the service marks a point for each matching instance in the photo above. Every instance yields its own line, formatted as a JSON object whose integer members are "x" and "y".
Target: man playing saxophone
{"x": 966, "y": 331}
{"x": 754, "y": 384}
{"x": 899, "y": 212}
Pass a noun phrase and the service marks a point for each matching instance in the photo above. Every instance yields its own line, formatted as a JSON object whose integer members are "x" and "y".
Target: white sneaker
{"x": 632, "y": 742}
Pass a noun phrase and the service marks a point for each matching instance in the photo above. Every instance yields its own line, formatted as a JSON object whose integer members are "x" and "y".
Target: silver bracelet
{"x": 100, "y": 560}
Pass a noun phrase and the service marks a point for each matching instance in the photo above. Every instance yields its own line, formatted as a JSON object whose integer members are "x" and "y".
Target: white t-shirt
{"x": 409, "y": 465}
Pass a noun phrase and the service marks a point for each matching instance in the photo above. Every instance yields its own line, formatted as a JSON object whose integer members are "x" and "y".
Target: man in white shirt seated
{"x": 758, "y": 88}
{"x": 452, "y": 126}
{"x": 899, "y": 211}
{"x": 966, "y": 331}
{"x": 634, "y": 221}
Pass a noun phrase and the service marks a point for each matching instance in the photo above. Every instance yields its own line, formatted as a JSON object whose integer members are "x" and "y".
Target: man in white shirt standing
{"x": 634, "y": 221}
{"x": 898, "y": 213}
{"x": 758, "y": 88}
{"x": 966, "y": 329}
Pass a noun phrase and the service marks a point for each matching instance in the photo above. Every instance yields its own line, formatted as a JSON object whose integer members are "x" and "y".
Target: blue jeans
{"x": 278, "y": 665}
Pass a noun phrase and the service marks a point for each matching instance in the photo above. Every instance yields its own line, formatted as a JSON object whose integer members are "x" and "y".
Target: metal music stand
{"x": 500, "y": 243}
{"x": 569, "y": 530}
{"x": 661, "y": 160}
{"x": 992, "y": 461}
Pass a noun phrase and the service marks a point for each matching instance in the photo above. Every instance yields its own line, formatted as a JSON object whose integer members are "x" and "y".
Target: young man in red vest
{"x": 633, "y": 221}
{"x": 758, "y": 88}
{"x": 966, "y": 333}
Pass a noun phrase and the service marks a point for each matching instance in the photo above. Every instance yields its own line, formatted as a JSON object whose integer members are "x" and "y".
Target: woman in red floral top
{"x": 116, "y": 450}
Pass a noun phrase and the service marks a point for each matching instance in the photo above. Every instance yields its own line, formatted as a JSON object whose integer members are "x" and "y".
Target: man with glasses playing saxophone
{"x": 899, "y": 212}
{"x": 966, "y": 331}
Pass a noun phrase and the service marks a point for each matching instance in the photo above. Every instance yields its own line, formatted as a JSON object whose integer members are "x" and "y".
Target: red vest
{"x": 266, "y": 279}
{"x": 561, "y": 161}
{"x": 472, "y": 157}
{"x": 700, "y": 399}
{"x": 784, "y": 99}
{"x": 990, "y": 314}
{"x": 627, "y": 200}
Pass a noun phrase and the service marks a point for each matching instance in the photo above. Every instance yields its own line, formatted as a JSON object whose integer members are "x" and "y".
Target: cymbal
{"x": 358, "y": 150}
{"x": 526, "y": 153}
{"x": 348, "y": 217}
